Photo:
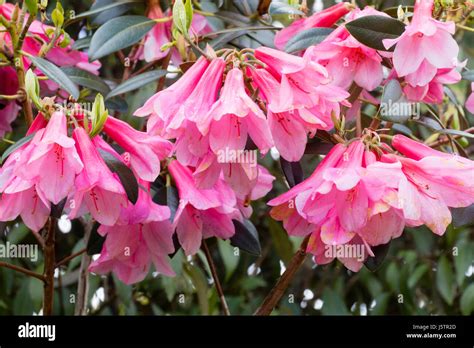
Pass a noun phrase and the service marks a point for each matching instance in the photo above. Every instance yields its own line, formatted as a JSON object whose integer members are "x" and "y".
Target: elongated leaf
{"x": 86, "y": 79}
{"x": 455, "y": 132}
{"x": 462, "y": 261}
{"x": 467, "y": 300}
{"x": 306, "y": 38}
{"x": 293, "y": 172}
{"x": 371, "y": 30}
{"x": 279, "y": 8}
{"x": 82, "y": 43}
{"x": 463, "y": 216}
{"x": 125, "y": 174}
{"x": 246, "y": 237}
{"x": 57, "y": 75}
{"x": 15, "y": 146}
{"x": 445, "y": 280}
{"x": 118, "y": 33}
{"x": 380, "y": 252}
{"x": 95, "y": 242}
{"x": 468, "y": 75}
{"x": 97, "y": 10}
{"x": 281, "y": 241}
{"x": 136, "y": 82}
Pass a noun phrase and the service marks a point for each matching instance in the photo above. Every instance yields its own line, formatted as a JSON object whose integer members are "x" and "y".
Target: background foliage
{"x": 419, "y": 273}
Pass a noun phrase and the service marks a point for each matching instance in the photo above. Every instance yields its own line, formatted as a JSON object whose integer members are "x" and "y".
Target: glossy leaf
{"x": 118, "y": 33}
{"x": 56, "y": 75}
{"x": 136, "y": 82}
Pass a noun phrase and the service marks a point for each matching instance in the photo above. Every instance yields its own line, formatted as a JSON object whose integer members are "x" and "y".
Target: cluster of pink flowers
{"x": 53, "y": 167}
{"x": 61, "y": 56}
{"x": 358, "y": 195}
{"x": 206, "y": 126}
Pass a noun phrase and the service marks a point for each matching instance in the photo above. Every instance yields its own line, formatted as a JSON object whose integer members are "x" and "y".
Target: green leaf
{"x": 15, "y": 146}
{"x": 281, "y": 241}
{"x": 246, "y": 237}
{"x": 380, "y": 252}
{"x": 96, "y": 241}
{"x": 455, "y": 132}
{"x": 462, "y": 260}
{"x": 417, "y": 275}
{"x": 32, "y": 6}
{"x": 293, "y": 172}
{"x": 136, "y": 82}
{"x": 278, "y": 8}
{"x": 445, "y": 280}
{"x": 371, "y": 30}
{"x": 468, "y": 75}
{"x": 189, "y": 13}
{"x": 118, "y": 33}
{"x": 82, "y": 43}
{"x": 125, "y": 174}
{"x": 57, "y": 75}
{"x": 230, "y": 259}
{"x": 102, "y": 9}
{"x": 86, "y": 79}
{"x": 463, "y": 216}
{"x": 200, "y": 283}
{"x": 179, "y": 17}
{"x": 306, "y": 38}
{"x": 394, "y": 107}
{"x": 393, "y": 277}
{"x": 333, "y": 303}
{"x": 467, "y": 300}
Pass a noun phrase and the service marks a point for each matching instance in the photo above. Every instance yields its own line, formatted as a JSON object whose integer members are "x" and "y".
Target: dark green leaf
{"x": 167, "y": 195}
{"x": 293, "y": 172}
{"x": 57, "y": 75}
{"x": 97, "y": 10}
{"x": 136, "y": 82}
{"x": 118, "y": 33}
{"x": 82, "y": 43}
{"x": 445, "y": 280}
{"x": 333, "y": 303}
{"x": 462, "y": 260}
{"x": 125, "y": 174}
{"x": 117, "y": 104}
{"x": 16, "y": 146}
{"x": 281, "y": 241}
{"x": 463, "y": 216}
{"x": 246, "y": 237}
{"x": 318, "y": 147}
{"x": 380, "y": 252}
{"x": 468, "y": 75}
{"x": 417, "y": 275}
{"x": 86, "y": 79}
{"x": 394, "y": 107}
{"x": 105, "y": 16}
{"x": 96, "y": 241}
{"x": 467, "y": 300}
{"x": 371, "y": 30}
{"x": 306, "y": 38}
{"x": 279, "y": 8}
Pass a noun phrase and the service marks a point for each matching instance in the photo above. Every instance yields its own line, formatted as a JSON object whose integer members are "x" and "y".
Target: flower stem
{"x": 275, "y": 295}
{"x": 217, "y": 282}
{"x": 49, "y": 267}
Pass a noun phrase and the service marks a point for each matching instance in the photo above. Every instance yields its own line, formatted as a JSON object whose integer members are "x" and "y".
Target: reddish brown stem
{"x": 22, "y": 270}
{"x": 275, "y": 295}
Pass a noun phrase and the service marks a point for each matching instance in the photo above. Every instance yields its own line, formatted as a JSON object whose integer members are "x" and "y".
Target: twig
{"x": 70, "y": 257}
{"x": 22, "y": 270}
{"x": 217, "y": 283}
{"x": 275, "y": 295}
{"x": 49, "y": 261}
